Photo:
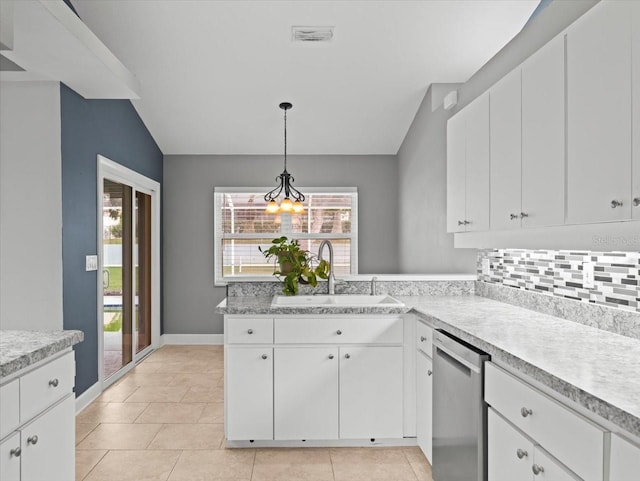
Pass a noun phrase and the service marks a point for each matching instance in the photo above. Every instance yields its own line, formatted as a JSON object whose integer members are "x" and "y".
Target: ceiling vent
{"x": 311, "y": 34}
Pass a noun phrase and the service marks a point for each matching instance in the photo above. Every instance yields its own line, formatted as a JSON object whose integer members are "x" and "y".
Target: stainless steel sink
{"x": 345, "y": 300}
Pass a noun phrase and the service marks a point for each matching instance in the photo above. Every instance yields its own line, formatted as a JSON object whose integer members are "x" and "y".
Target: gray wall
{"x": 189, "y": 294}
{"x": 424, "y": 244}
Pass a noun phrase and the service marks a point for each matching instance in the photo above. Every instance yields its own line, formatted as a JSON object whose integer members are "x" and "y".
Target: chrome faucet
{"x": 332, "y": 278}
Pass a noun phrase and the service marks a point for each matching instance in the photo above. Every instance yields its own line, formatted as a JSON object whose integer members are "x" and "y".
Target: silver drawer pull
{"x": 339, "y": 332}
{"x": 54, "y": 382}
{"x": 250, "y": 331}
{"x": 526, "y": 412}
{"x": 264, "y": 356}
{"x": 15, "y": 452}
{"x": 347, "y": 356}
{"x": 513, "y": 216}
{"x": 523, "y": 215}
{"x": 423, "y": 339}
{"x": 330, "y": 356}
{"x": 537, "y": 469}
{"x": 615, "y": 203}
{"x": 429, "y": 372}
{"x": 636, "y": 202}
{"x": 521, "y": 453}
{"x": 32, "y": 440}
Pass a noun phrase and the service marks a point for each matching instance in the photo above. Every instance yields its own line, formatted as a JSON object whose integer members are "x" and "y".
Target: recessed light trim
{"x": 311, "y": 34}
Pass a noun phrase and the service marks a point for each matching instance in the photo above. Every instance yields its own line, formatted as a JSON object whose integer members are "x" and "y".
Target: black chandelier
{"x": 285, "y": 180}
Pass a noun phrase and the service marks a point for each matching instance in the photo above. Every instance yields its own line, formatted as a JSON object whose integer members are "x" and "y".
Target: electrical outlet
{"x": 91, "y": 263}
{"x": 588, "y": 275}
{"x": 486, "y": 267}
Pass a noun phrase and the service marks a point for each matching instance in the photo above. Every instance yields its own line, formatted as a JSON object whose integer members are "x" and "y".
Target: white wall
{"x": 30, "y": 206}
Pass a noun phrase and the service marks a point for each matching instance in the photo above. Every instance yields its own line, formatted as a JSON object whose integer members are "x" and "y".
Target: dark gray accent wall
{"x": 189, "y": 294}
{"x": 113, "y": 129}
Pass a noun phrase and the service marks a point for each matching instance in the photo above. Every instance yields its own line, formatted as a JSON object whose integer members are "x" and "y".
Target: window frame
{"x": 219, "y": 236}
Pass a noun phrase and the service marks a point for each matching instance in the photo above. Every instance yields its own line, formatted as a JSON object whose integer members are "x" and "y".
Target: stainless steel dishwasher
{"x": 459, "y": 411}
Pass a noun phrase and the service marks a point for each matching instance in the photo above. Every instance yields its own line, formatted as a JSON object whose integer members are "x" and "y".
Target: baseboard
{"x": 87, "y": 397}
{"x": 192, "y": 339}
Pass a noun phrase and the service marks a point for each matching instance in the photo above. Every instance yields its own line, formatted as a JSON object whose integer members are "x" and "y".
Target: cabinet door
{"x": 599, "y": 114}
{"x": 625, "y": 459}
{"x": 249, "y": 393}
{"x": 456, "y": 172}
{"x": 424, "y": 407}
{"x": 477, "y": 165}
{"x": 306, "y": 393}
{"x": 635, "y": 75}
{"x": 48, "y": 444}
{"x": 370, "y": 392}
{"x": 543, "y": 136}
{"x": 548, "y": 468}
{"x": 510, "y": 453}
{"x": 9, "y": 462}
{"x": 506, "y": 144}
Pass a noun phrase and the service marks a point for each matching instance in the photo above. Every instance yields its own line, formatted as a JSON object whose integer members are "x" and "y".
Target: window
{"x": 241, "y": 225}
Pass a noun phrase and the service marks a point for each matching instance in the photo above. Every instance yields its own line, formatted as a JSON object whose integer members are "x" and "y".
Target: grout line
{"x": 94, "y": 466}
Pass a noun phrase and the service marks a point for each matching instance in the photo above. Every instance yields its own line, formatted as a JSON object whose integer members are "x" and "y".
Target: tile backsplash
{"x": 559, "y": 273}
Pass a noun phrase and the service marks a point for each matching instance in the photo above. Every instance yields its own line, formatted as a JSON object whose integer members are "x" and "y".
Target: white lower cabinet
{"x": 513, "y": 456}
{"x": 370, "y": 392}
{"x": 424, "y": 404}
{"x": 625, "y": 459}
{"x": 249, "y": 393}
{"x": 41, "y": 445}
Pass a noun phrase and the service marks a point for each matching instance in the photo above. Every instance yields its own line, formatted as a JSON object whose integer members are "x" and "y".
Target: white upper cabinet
{"x": 543, "y": 136}
{"x": 505, "y": 134}
{"x": 599, "y": 115}
{"x": 635, "y": 95}
{"x": 468, "y": 168}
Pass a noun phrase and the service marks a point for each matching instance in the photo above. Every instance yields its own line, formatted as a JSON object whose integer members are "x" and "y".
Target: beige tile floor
{"x": 163, "y": 421}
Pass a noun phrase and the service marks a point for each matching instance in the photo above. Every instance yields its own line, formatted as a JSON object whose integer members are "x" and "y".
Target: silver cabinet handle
{"x": 16, "y": 452}
{"x": 521, "y": 453}
{"x": 526, "y": 412}
{"x": 347, "y": 356}
{"x": 32, "y": 440}
{"x": 537, "y": 469}
{"x": 460, "y": 222}
{"x": 250, "y": 331}
{"x": 330, "y": 356}
{"x": 423, "y": 339}
{"x": 513, "y": 216}
{"x": 523, "y": 215}
{"x": 429, "y": 372}
{"x": 615, "y": 203}
{"x": 636, "y": 202}
{"x": 54, "y": 382}
{"x": 339, "y": 332}
{"x": 264, "y": 356}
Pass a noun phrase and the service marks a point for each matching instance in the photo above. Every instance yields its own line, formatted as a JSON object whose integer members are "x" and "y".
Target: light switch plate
{"x": 588, "y": 275}
{"x": 91, "y": 263}
{"x": 486, "y": 267}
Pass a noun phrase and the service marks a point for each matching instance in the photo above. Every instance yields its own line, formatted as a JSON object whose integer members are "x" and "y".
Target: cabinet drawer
{"x": 250, "y": 330}
{"x": 625, "y": 459}
{"x": 10, "y": 412}
{"x": 46, "y": 385}
{"x": 9, "y": 462}
{"x": 424, "y": 338}
{"x": 574, "y": 440}
{"x": 372, "y": 330}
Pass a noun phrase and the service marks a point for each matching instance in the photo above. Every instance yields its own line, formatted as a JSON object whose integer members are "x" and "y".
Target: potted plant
{"x": 295, "y": 265}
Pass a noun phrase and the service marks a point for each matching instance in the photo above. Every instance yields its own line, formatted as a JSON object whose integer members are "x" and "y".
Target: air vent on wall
{"x": 311, "y": 34}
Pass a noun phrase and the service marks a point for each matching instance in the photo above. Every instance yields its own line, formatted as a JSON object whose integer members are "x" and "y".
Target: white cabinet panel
{"x": 456, "y": 172}
{"x": 10, "y": 402}
{"x": 370, "y": 392}
{"x": 625, "y": 459}
{"x": 635, "y": 97}
{"x": 543, "y": 136}
{"x": 306, "y": 393}
{"x": 477, "y": 170}
{"x": 249, "y": 393}
{"x": 546, "y": 468}
{"x": 506, "y": 143}
{"x": 10, "y": 453}
{"x": 249, "y": 330}
{"x": 509, "y": 453}
{"x": 599, "y": 114}
{"x": 424, "y": 408}
{"x": 48, "y": 444}
{"x": 424, "y": 341}
{"x": 346, "y": 330}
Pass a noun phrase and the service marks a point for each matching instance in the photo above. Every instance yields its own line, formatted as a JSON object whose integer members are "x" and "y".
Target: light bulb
{"x": 298, "y": 208}
{"x": 286, "y": 205}
{"x": 272, "y": 207}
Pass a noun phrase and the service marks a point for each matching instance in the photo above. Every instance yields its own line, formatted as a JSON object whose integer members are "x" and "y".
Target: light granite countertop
{"x": 19, "y": 349}
{"x": 597, "y": 369}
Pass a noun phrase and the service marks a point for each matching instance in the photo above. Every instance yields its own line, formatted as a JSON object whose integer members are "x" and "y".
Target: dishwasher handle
{"x": 459, "y": 350}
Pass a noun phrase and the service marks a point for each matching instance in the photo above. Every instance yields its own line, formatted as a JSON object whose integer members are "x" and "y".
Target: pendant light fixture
{"x": 293, "y": 198}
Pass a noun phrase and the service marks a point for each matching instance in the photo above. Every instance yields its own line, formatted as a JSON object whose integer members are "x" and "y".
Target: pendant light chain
{"x": 285, "y": 140}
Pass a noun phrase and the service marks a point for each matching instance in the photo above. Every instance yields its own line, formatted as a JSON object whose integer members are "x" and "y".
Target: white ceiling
{"x": 214, "y": 72}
